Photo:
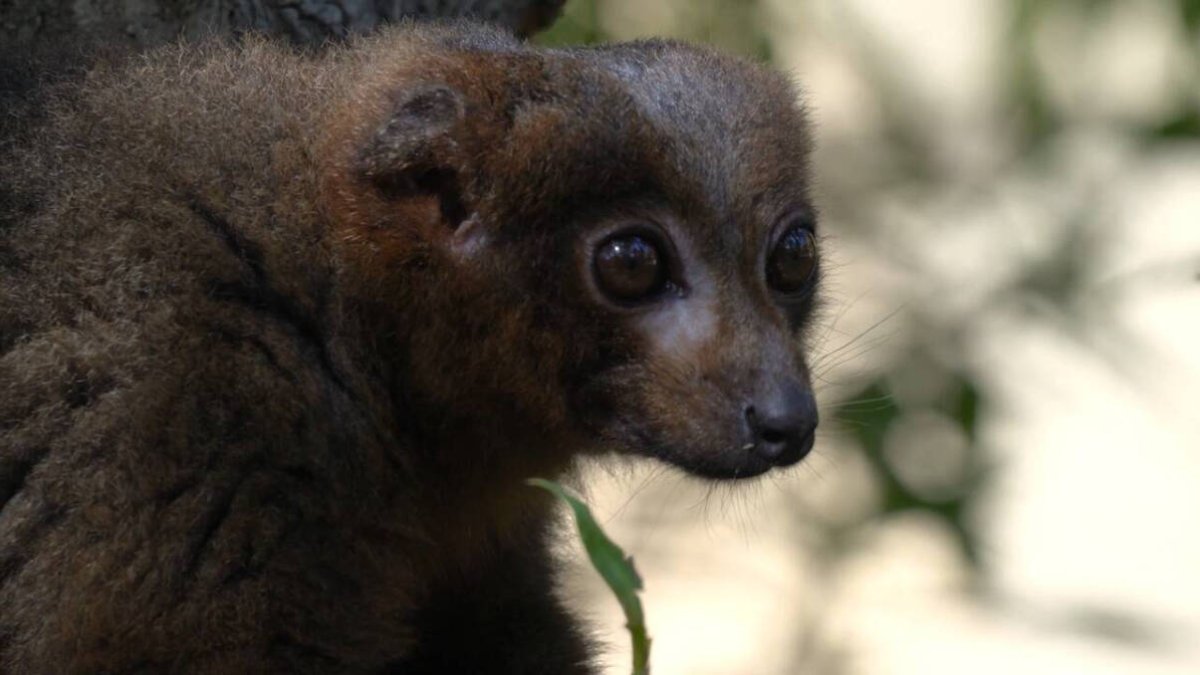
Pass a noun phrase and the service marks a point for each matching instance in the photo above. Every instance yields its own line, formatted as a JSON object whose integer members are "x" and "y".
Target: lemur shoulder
{"x": 282, "y": 334}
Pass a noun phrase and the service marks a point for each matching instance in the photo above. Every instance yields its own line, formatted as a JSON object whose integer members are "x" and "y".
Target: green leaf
{"x": 614, "y": 567}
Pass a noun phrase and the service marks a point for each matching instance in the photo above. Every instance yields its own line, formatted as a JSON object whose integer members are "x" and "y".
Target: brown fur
{"x": 281, "y": 335}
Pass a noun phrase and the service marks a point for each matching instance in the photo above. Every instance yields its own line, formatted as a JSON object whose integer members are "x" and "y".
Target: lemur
{"x": 282, "y": 334}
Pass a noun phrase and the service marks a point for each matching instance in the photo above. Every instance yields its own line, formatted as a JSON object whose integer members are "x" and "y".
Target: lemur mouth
{"x": 747, "y": 461}
{"x": 753, "y": 461}
{"x": 731, "y": 473}
{"x": 760, "y": 445}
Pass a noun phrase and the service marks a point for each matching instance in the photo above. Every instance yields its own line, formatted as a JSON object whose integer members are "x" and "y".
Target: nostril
{"x": 772, "y": 436}
{"x": 752, "y": 418}
{"x": 768, "y": 429}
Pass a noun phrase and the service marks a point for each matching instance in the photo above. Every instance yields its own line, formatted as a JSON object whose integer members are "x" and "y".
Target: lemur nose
{"x": 784, "y": 424}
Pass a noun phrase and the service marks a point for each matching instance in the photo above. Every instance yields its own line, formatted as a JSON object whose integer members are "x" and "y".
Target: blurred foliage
{"x": 734, "y": 25}
{"x": 872, "y": 413}
{"x": 579, "y": 24}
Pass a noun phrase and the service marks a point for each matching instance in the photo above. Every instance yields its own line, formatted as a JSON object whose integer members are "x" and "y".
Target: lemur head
{"x": 603, "y": 248}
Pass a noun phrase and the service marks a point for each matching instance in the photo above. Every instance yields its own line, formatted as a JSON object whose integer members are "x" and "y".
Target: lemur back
{"x": 282, "y": 334}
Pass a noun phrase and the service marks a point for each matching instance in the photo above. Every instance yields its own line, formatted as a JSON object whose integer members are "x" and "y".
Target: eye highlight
{"x": 630, "y": 266}
{"x": 792, "y": 261}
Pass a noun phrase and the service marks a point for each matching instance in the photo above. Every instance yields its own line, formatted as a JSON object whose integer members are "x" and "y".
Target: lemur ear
{"x": 415, "y": 152}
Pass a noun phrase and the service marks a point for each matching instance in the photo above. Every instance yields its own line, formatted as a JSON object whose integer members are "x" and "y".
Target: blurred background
{"x": 1008, "y": 478}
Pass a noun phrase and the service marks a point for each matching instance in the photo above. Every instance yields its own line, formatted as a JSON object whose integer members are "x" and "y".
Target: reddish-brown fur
{"x": 272, "y": 371}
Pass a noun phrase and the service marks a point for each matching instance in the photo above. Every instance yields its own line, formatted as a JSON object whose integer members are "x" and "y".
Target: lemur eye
{"x": 793, "y": 260}
{"x": 630, "y": 267}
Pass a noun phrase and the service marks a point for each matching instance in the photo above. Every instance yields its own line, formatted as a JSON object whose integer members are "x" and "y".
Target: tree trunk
{"x": 145, "y": 23}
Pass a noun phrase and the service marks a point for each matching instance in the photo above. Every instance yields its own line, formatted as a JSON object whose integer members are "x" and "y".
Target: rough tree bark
{"x": 144, "y": 23}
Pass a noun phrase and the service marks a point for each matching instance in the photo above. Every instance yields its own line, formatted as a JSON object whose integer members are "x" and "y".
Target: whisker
{"x": 823, "y": 368}
{"x": 861, "y": 404}
{"x": 870, "y": 329}
{"x": 832, "y": 326}
{"x": 651, "y": 476}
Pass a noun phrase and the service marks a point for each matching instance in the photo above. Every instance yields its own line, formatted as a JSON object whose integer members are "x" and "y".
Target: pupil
{"x": 634, "y": 253}
{"x": 628, "y": 267}
{"x": 792, "y": 261}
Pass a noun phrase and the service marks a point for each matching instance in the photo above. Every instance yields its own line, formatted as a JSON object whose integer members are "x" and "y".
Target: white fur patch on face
{"x": 683, "y": 327}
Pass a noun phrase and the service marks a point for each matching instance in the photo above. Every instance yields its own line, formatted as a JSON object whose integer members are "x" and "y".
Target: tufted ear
{"x": 415, "y": 152}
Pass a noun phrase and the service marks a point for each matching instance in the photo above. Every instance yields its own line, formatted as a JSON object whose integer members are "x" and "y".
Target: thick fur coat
{"x": 281, "y": 335}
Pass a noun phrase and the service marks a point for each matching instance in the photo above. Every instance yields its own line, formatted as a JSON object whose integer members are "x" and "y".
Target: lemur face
{"x": 625, "y": 234}
{"x": 706, "y": 272}
{"x": 713, "y": 378}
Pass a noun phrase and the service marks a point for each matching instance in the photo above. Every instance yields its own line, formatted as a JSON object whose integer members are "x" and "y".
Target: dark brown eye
{"x": 630, "y": 267}
{"x": 791, "y": 264}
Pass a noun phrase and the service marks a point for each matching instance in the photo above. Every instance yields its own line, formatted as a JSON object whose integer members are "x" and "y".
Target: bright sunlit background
{"x": 1009, "y": 476}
